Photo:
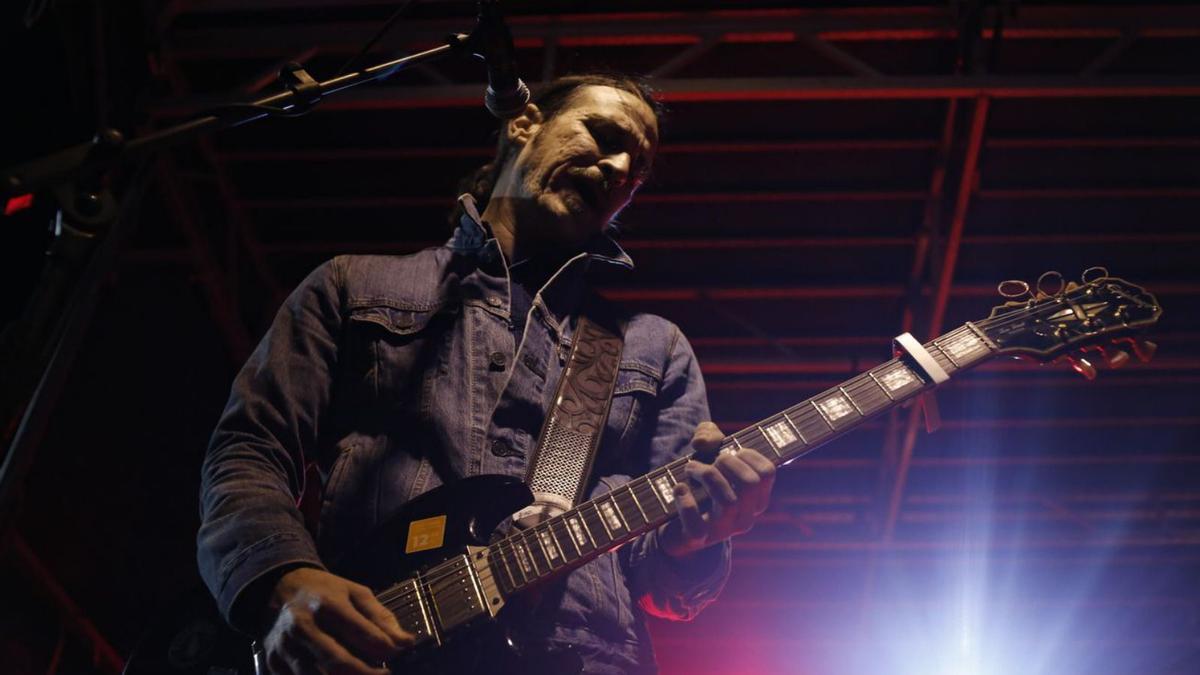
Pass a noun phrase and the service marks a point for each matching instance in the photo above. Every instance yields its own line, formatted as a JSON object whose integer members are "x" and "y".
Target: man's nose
{"x": 616, "y": 168}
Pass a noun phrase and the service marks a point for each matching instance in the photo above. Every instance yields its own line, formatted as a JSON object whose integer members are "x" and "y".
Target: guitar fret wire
{"x": 512, "y": 549}
{"x": 770, "y": 443}
{"x": 637, "y": 503}
{"x": 654, "y": 491}
{"x": 612, "y": 499}
{"x": 796, "y": 429}
{"x": 586, "y": 529}
{"x": 536, "y": 537}
{"x": 529, "y": 552}
{"x": 558, "y": 545}
{"x": 945, "y": 354}
{"x": 506, "y": 569}
{"x": 476, "y": 584}
{"x": 421, "y": 605}
{"x": 823, "y": 416}
{"x": 672, "y": 479}
{"x": 570, "y": 534}
{"x": 600, "y": 517}
{"x": 982, "y": 337}
{"x": 851, "y": 400}
{"x": 885, "y": 389}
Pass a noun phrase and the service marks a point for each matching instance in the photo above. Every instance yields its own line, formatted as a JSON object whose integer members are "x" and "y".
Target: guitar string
{"x": 455, "y": 568}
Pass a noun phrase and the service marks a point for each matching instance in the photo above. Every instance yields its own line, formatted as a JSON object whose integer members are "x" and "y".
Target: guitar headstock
{"x": 1060, "y": 320}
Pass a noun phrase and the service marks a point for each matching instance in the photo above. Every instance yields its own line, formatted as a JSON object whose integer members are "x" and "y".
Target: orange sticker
{"x": 425, "y": 534}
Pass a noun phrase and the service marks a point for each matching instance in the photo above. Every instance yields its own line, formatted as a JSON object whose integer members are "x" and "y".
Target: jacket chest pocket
{"x": 390, "y": 345}
{"x": 634, "y": 394}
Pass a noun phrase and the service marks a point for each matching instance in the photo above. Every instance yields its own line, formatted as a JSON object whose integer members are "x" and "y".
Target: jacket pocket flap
{"x": 635, "y": 377}
{"x": 398, "y": 321}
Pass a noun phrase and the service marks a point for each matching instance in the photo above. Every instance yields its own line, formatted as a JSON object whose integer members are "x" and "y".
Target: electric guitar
{"x": 438, "y": 568}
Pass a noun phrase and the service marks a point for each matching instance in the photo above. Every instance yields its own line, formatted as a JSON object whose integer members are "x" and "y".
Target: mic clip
{"x": 296, "y": 79}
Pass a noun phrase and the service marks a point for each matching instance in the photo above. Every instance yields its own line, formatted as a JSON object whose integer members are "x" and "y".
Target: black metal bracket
{"x": 306, "y": 90}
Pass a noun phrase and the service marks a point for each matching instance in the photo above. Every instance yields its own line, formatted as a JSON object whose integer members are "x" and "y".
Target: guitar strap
{"x": 562, "y": 462}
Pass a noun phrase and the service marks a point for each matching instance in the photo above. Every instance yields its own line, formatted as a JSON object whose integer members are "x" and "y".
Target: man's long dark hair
{"x": 550, "y": 99}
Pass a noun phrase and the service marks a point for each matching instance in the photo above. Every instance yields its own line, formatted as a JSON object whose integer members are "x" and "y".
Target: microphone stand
{"x": 36, "y": 349}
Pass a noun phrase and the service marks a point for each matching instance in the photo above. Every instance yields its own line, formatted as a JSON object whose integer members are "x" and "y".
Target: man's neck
{"x": 515, "y": 231}
{"x": 501, "y": 217}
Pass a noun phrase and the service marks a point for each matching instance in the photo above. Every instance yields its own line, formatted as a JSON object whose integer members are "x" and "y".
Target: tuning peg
{"x": 1082, "y": 366}
{"x": 1144, "y": 349}
{"x": 1093, "y": 274}
{"x": 1013, "y": 289}
{"x": 1050, "y": 284}
{"x": 1115, "y": 358}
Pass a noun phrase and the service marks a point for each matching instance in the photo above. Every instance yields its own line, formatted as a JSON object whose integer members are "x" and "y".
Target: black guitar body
{"x": 473, "y": 507}
{"x": 197, "y": 641}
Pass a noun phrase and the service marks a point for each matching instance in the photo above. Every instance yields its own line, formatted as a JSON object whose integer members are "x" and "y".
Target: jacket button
{"x": 498, "y": 360}
{"x": 494, "y": 301}
{"x": 502, "y": 449}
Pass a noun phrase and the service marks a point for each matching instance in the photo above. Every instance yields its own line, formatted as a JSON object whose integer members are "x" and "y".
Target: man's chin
{"x": 574, "y": 214}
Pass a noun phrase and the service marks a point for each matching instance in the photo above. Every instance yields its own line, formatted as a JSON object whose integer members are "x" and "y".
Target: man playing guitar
{"x": 398, "y": 374}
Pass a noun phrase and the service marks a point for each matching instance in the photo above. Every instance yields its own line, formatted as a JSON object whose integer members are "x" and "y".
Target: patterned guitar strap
{"x": 562, "y": 462}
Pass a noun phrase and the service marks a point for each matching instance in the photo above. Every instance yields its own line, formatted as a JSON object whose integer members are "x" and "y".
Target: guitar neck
{"x": 602, "y": 524}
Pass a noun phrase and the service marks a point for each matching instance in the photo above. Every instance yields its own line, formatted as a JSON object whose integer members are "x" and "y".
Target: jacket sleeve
{"x": 667, "y": 587}
{"x": 253, "y": 472}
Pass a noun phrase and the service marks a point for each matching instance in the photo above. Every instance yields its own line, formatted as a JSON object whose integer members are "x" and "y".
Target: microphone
{"x": 506, "y": 94}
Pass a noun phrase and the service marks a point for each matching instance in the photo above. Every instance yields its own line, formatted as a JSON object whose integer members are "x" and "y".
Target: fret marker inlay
{"x": 835, "y": 407}
{"x": 662, "y": 484}
{"x": 523, "y": 558}
{"x": 780, "y": 434}
{"x": 548, "y": 544}
{"x": 610, "y": 516}
{"x": 961, "y": 346}
{"x": 897, "y": 379}
{"x": 577, "y": 532}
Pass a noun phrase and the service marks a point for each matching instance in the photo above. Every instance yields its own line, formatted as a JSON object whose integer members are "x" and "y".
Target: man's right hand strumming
{"x": 322, "y": 623}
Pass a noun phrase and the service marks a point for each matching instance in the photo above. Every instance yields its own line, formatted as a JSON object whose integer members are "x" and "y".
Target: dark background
{"x": 825, "y": 174}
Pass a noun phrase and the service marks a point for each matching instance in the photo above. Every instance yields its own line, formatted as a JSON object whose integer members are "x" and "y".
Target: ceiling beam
{"x": 709, "y": 147}
{"x": 926, "y": 87}
{"x": 693, "y": 27}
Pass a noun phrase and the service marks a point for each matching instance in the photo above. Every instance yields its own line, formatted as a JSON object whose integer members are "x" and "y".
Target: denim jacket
{"x": 398, "y": 374}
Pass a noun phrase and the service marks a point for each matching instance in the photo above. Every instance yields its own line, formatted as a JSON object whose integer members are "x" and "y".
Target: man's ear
{"x": 522, "y": 127}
